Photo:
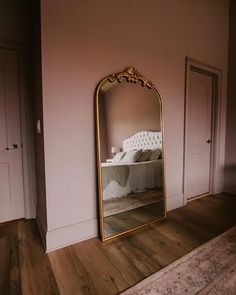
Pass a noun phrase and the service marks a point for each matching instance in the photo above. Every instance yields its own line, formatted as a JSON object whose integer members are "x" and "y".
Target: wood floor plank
{"x": 187, "y": 224}
{"x": 123, "y": 262}
{"x": 208, "y": 224}
{"x": 37, "y": 277}
{"x": 71, "y": 276}
{"x": 9, "y": 230}
{"x": 140, "y": 256}
{"x": 92, "y": 267}
{"x": 146, "y": 247}
{"x": 109, "y": 281}
{"x": 176, "y": 234}
{"x": 224, "y": 211}
{"x": 166, "y": 244}
{"x": 4, "y": 266}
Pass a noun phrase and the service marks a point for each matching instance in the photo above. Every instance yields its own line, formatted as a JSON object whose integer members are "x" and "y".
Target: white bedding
{"x": 121, "y": 179}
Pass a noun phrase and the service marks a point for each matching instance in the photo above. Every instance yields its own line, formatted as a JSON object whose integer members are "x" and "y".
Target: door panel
{"x": 5, "y": 184}
{"x": 11, "y": 178}
{"x": 198, "y": 132}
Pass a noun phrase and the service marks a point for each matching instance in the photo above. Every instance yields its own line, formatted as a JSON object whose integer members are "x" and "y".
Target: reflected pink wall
{"x": 130, "y": 108}
{"x": 82, "y": 42}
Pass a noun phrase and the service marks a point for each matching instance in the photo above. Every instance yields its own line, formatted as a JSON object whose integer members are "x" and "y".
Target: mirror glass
{"x": 130, "y": 153}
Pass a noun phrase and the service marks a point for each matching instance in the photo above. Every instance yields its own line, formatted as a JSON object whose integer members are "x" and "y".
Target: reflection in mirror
{"x": 130, "y": 153}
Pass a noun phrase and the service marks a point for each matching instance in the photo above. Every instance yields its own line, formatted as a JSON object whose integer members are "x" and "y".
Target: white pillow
{"x": 145, "y": 155}
{"x": 155, "y": 154}
{"x": 131, "y": 156}
{"x": 118, "y": 157}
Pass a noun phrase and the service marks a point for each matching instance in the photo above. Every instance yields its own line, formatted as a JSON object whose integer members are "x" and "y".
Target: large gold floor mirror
{"x": 130, "y": 153}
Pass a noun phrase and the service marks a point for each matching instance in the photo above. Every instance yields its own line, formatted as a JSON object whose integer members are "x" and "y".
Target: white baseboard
{"x": 71, "y": 234}
{"x": 174, "y": 202}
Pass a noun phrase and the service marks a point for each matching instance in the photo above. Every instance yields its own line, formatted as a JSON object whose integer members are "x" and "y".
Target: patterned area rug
{"x": 207, "y": 270}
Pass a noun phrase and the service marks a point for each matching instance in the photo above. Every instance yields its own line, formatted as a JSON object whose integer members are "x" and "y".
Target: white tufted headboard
{"x": 143, "y": 140}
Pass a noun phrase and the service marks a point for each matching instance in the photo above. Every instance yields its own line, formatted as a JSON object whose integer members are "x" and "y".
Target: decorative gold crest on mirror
{"x": 131, "y": 75}
{"x": 130, "y": 154}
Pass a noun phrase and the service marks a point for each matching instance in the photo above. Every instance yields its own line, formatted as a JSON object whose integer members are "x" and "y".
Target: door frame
{"x": 27, "y": 132}
{"x": 216, "y": 74}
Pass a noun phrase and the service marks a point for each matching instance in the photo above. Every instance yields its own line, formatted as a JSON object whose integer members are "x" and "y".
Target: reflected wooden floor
{"x": 131, "y": 201}
{"x": 124, "y": 221}
{"x": 93, "y": 267}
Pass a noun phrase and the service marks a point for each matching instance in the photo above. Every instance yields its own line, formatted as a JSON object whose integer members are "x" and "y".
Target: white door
{"x": 198, "y": 134}
{"x": 11, "y": 178}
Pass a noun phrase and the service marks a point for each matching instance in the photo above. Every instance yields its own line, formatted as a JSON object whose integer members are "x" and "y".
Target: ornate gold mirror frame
{"x": 133, "y": 76}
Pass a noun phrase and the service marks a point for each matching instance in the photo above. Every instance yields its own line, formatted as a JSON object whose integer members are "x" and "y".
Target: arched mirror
{"x": 130, "y": 154}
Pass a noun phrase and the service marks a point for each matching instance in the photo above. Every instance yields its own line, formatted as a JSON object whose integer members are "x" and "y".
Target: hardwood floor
{"x": 93, "y": 267}
{"x": 24, "y": 266}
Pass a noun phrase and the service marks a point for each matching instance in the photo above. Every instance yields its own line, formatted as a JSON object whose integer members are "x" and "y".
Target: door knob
{"x": 208, "y": 141}
{"x": 12, "y": 147}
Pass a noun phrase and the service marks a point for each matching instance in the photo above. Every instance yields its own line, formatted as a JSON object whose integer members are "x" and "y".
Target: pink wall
{"x": 230, "y": 154}
{"x": 83, "y": 41}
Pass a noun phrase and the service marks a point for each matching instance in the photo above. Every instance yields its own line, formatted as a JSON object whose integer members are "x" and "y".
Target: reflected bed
{"x": 121, "y": 179}
{"x": 132, "y": 183}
